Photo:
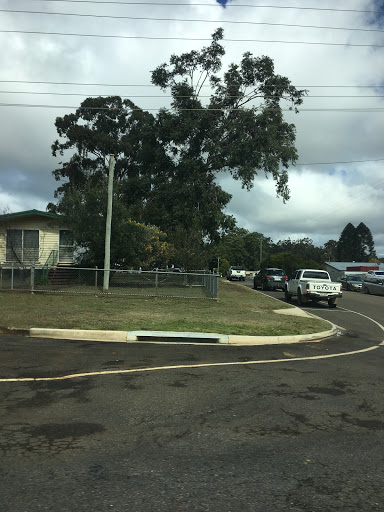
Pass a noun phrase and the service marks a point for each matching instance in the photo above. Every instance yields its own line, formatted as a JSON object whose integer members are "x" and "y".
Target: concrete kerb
{"x": 177, "y": 337}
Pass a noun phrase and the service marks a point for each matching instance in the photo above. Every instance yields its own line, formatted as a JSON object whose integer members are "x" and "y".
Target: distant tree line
{"x": 254, "y": 250}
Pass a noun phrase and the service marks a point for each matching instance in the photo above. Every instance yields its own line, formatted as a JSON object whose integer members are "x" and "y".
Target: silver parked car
{"x": 375, "y": 286}
{"x": 354, "y": 283}
{"x": 373, "y": 274}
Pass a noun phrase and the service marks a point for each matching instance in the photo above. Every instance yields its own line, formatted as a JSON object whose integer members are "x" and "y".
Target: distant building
{"x": 34, "y": 237}
{"x": 338, "y": 269}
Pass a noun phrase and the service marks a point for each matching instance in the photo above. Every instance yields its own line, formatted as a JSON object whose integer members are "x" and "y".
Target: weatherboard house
{"x": 34, "y": 237}
{"x": 338, "y": 269}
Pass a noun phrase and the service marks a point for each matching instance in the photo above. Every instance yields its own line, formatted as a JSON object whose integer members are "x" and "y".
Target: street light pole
{"x": 107, "y": 252}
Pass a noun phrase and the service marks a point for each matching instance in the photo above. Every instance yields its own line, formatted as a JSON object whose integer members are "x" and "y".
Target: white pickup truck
{"x": 316, "y": 285}
{"x": 236, "y": 273}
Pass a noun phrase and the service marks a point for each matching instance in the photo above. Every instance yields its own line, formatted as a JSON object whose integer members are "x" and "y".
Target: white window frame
{"x": 22, "y": 246}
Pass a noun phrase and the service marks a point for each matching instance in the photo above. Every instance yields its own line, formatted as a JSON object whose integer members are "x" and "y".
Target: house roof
{"x": 28, "y": 213}
{"x": 343, "y": 265}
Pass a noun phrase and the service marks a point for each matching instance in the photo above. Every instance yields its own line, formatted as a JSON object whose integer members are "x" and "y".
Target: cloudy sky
{"x": 55, "y": 53}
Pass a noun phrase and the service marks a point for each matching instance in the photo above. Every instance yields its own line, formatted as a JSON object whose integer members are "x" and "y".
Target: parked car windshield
{"x": 315, "y": 275}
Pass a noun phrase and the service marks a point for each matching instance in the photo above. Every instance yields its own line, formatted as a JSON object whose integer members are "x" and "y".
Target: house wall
{"x": 49, "y": 235}
{"x": 359, "y": 269}
{"x": 334, "y": 274}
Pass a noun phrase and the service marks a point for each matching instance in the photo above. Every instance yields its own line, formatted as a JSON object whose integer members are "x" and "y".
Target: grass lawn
{"x": 240, "y": 310}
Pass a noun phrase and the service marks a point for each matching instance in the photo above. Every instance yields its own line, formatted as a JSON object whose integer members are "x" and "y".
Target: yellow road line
{"x": 203, "y": 365}
{"x": 177, "y": 367}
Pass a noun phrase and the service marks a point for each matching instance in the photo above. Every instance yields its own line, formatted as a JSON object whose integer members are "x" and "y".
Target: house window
{"x": 23, "y": 245}
{"x": 66, "y": 245}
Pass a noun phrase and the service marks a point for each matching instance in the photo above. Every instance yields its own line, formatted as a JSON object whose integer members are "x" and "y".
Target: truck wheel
{"x": 332, "y": 303}
{"x": 301, "y": 301}
{"x": 288, "y": 296}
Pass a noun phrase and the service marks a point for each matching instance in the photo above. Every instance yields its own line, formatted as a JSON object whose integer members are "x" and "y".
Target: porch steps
{"x": 62, "y": 275}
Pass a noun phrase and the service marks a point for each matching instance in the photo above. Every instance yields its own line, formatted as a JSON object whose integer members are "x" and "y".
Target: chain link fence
{"x": 75, "y": 280}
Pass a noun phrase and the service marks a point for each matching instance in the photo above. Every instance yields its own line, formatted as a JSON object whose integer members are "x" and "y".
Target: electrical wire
{"x": 168, "y": 38}
{"x": 35, "y": 105}
{"x": 152, "y": 85}
{"x": 174, "y": 4}
{"x": 144, "y": 18}
{"x": 342, "y": 162}
{"x": 330, "y": 209}
{"x": 167, "y": 95}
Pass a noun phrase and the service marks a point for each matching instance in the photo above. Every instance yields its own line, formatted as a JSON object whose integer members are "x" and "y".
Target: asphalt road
{"x": 297, "y": 427}
{"x": 357, "y": 304}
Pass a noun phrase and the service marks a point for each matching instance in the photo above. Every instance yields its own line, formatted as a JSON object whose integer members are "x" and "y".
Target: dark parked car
{"x": 270, "y": 278}
{"x": 375, "y": 286}
{"x": 354, "y": 283}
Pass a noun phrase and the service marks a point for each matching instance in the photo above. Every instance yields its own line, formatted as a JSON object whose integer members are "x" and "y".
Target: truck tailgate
{"x": 324, "y": 288}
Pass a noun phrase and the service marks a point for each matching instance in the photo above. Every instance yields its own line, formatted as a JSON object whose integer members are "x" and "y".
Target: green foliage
{"x": 303, "y": 248}
{"x": 132, "y": 243}
{"x": 290, "y": 262}
{"x": 42, "y": 280}
{"x": 167, "y": 165}
{"x": 224, "y": 135}
{"x": 224, "y": 266}
{"x": 356, "y": 243}
{"x": 365, "y": 242}
{"x": 240, "y": 247}
{"x": 330, "y": 250}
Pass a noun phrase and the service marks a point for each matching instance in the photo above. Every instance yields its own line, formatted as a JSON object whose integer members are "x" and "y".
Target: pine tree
{"x": 366, "y": 243}
{"x": 356, "y": 244}
{"x": 347, "y": 247}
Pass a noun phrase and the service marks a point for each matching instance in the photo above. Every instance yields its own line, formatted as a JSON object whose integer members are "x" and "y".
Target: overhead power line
{"x": 174, "y": 4}
{"x": 364, "y": 193}
{"x": 146, "y": 18}
{"x": 152, "y": 85}
{"x": 35, "y": 105}
{"x": 160, "y": 96}
{"x": 167, "y": 38}
{"x": 343, "y": 162}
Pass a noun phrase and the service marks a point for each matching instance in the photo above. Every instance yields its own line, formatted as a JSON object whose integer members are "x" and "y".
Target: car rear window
{"x": 276, "y": 272}
{"x": 316, "y": 275}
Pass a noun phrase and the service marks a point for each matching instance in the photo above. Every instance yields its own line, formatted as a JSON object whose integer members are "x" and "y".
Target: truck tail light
{"x": 267, "y": 276}
{"x": 286, "y": 277}
{"x": 307, "y": 287}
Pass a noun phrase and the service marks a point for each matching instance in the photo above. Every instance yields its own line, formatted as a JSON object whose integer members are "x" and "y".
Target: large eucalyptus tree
{"x": 168, "y": 165}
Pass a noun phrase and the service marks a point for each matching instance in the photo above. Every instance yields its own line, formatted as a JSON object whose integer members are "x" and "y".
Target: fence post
{"x": 12, "y": 276}
{"x": 96, "y": 277}
{"x": 216, "y": 285}
{"x": 32, "y": 278}
{"x": 156, "y": 280}
{"x": 1, "y": 277}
